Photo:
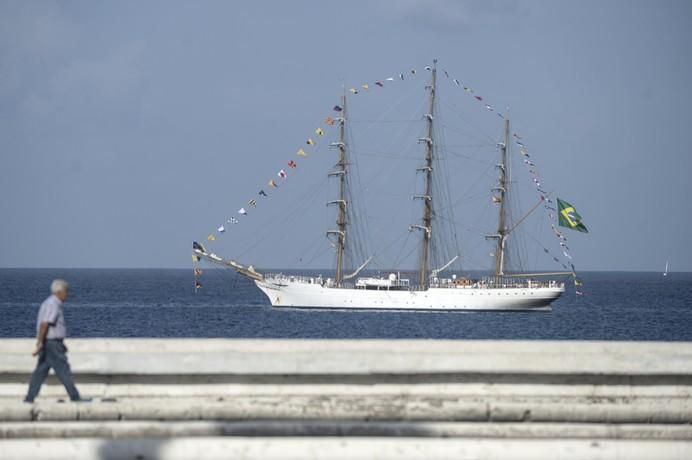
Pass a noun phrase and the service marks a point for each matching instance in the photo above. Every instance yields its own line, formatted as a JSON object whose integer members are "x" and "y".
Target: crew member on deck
{"x": 50, "y": 332}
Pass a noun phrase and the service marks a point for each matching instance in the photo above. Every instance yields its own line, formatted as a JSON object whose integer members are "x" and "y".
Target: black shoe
{"x": 29, "y": 401}
{"x": 81, "y": 400}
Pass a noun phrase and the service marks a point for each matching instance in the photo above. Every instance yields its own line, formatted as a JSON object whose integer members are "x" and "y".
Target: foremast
{"x": 426, "y": 226}
{"x": 340, "y": 173}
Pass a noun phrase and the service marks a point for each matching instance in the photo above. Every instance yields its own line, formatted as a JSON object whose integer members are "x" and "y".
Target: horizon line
{"x": 618, "y": 270}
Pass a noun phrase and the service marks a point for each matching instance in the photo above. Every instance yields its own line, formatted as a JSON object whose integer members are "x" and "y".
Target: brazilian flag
{"x": 569, "y": 217}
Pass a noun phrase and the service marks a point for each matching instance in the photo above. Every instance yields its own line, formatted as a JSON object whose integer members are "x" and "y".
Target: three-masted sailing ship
{"x": 429, "y": 289}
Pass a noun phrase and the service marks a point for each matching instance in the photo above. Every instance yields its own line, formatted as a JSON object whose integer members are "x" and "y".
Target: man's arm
{"x": 41, "y": 337}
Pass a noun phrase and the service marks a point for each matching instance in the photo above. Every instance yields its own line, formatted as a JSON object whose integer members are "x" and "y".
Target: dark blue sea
{"x": 163, "y": 303}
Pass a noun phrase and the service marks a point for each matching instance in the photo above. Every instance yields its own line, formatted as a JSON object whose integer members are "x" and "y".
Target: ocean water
{"x": 163, "y": 303}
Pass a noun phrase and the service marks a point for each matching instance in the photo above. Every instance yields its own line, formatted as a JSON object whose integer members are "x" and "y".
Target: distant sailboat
{"x": 665, "y": 273}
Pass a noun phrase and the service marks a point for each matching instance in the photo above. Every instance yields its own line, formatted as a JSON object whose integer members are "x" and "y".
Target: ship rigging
{"x": 432, "y": 290}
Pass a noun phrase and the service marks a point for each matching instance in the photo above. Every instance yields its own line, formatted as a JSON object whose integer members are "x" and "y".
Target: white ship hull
{"x": 285, "y": 293}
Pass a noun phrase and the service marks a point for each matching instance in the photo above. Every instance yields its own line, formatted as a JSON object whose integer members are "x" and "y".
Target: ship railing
{"x": 294, "y": 278}
{"x": 285, "y": 278}
{"x": 495, "y": 282}
{"x": 492, "y": 282}
{"x": 383, "y": 283}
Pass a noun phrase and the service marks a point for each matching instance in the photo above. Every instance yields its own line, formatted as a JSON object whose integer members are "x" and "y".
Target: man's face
{"x": 62, "y": 295}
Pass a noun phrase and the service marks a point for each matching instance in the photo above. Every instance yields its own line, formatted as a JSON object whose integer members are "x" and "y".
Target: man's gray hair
{"x": 59, "y": 286}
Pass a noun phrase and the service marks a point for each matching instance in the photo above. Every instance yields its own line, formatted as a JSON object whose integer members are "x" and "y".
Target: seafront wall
{"x": 353, "y": 399}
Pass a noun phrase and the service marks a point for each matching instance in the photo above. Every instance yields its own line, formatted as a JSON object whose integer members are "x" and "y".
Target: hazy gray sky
{"x": 128, "y": 129}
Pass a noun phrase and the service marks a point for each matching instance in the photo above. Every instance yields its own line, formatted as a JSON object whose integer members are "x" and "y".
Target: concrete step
{"x": 157, "y": 386}
{"x": 358, "y": 407}
{"x": 176, "y": 429}
{"x": 359, "y": 357}
{"x": 199, "y": 398}
{"x": 301, "y": 448}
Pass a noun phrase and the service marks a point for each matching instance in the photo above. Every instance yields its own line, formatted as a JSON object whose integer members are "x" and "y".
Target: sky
{"x": 129, "y": 129}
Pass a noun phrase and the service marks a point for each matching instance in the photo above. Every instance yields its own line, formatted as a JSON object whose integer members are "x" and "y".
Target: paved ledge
{"x": 275, "y": 428}
{"x": 362, "y": 408}
{"x": 209, "y": 398}
{"x": 359, "y": 357}
{"x": 343, "y": 449}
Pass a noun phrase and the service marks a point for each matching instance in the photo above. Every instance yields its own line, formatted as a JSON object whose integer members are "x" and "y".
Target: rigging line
{"x": 311, "y": 246}
{"x": 361, "y": 242}
{"x": 467, "y": 146}
{"x": 318, "y": 149}
{"x": 392, "y": 243}
{"x": 388, "y": 166}
{"x": 392, "y": 195}
{"x": 377, "y": 172}
{"x": 384, "y": 155}
{"x": 545, "y": 249}
{"x": 454, "y": 109}
{"x": 383, "y": 121}
{"x": 466, "y": 229}
{"x": 473, "y": 185}
{"x": 397, "y": 259}
{"x": 319, "y": 254}
{"x": 216, "y": 271}
{"x": 367, "y": 216}
{"x": 408, "y": 254}
{"x": 316, "y": 250}
{"x": 270, "y": 228}
{"x": 365, "y": 238}
{"x": 444, "y": 187}
{"x": 541, "y": 201}
{"x": 521, "y": 252}
{"x": 467, "y": 133}
{"x": 472, "y": 198}
{"x": 208, "y": 266}
{"x": 293, "y": 215}
{"x": 414, "y": 112}
{"x": 468, "y": 157}
{"x": 391, "y": 107}
{"x": 540, "y": 230}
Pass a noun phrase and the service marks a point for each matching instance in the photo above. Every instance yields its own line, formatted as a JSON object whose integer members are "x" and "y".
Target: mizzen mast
{"x": 340, "y": 172}
{"x": 426, "y": 226}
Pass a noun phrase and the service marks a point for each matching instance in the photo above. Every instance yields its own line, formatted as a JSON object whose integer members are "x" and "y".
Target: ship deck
{"x": 491, "y": 282}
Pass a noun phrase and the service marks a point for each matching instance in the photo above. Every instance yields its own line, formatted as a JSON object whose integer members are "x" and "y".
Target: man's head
{"x": 60, "y": 289}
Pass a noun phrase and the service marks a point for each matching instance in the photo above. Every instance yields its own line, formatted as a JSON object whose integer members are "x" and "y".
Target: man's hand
{"x": 39, "y": 347}
{"x": 41, "y": 337}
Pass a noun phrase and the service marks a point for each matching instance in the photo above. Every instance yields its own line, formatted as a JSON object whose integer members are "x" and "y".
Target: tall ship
{"x": 434, "y": 284}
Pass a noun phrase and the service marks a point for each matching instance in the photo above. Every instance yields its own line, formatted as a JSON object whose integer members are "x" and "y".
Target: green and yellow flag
{"x": 568, "y": 217}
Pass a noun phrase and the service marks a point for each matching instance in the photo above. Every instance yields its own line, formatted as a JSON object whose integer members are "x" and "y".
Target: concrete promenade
{"x": 214, "y": 398}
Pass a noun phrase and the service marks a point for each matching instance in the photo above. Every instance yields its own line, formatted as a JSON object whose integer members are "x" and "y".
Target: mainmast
{"x": 340, "y": 172}
{"x": 426, "y": 226}
{"x": 502, "y": 189}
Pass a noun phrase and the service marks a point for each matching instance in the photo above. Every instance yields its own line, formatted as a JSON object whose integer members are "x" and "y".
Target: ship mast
{"x": 340, "y": 172}
{"x": 502, "y": 187}
{"x": 426, "y": 226}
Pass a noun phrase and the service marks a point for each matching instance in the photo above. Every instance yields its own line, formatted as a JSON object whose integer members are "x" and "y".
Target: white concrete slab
{"x": 342, "y": 448}
{"x": 242, "y": 356}
{"x": 176, "y": 429}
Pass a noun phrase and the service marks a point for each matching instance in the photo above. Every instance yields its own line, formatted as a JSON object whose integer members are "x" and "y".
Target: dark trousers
{"x": 52, "y": 356}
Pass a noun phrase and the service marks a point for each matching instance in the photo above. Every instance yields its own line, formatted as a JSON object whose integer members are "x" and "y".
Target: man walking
{"x": 50, "y": 332}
